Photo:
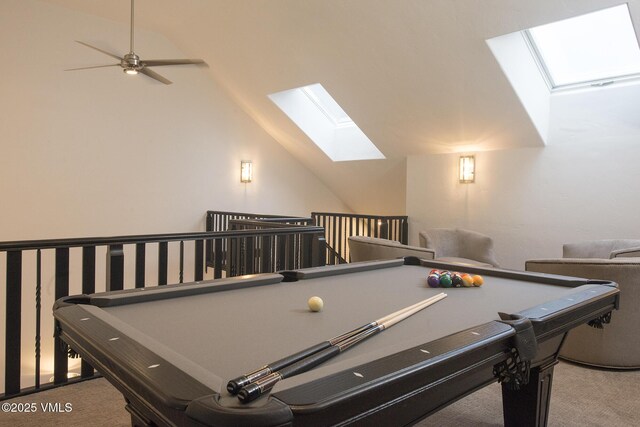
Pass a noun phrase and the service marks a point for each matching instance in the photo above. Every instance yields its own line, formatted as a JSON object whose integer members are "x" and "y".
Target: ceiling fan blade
{"x": 131, "y": 62}
{"x": 100, "y": 50}
{"x": 95, "y": 66}
{"x": 154, "y": 75}
{"x": 159, "y": 62}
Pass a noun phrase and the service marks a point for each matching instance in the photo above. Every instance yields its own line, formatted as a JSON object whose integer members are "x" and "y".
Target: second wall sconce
{"x": 246, "y": 171}
{"x": 467, "y": 169}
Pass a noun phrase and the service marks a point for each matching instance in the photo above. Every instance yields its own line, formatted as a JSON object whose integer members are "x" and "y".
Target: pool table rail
{"x": 127, "y": 363}
{"x": 384, "y": 385}
{"x": 591, "y": 301}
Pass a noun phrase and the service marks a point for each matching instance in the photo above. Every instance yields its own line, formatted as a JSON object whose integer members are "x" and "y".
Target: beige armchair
{"x": 618, "y": 344}
{"x": 362, "y": 248}
{"x": 459, "y": 246}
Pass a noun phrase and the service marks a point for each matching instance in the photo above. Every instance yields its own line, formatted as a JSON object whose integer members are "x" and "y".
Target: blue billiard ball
{"x": 433, "y": 280}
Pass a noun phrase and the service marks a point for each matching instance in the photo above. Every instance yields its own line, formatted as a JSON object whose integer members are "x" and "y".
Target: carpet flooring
{"x": 581, "y": 397}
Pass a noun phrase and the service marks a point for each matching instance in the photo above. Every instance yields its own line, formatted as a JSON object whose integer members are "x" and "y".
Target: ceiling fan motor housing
{"x": 131, "y": 61}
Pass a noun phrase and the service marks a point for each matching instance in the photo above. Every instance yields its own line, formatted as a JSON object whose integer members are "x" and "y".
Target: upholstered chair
{"x": 617, "y": 345}
{"x": 363, "y": 248}
{"x": 459, "y": 246}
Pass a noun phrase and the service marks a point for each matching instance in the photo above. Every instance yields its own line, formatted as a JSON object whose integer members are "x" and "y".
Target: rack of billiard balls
{"x": 448, "y": 279}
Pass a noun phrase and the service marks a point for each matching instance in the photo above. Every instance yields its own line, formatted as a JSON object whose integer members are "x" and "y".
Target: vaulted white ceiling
{"x": 416, "y": 75}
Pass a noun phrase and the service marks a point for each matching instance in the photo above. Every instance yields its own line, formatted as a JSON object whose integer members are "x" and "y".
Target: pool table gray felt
{"x": 214, "y": 331}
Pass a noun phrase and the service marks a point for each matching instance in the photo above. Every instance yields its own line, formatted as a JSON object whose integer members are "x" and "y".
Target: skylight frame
{"x": 326, "y": 123}
{"x": 599, "y": 82}
{"x": 346, "y": 121}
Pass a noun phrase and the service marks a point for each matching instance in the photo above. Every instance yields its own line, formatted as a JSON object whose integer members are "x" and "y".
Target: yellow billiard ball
{"x": 315, "y": 303}
{"x": 467, "y": 281}
{"x": 477, "y": 280}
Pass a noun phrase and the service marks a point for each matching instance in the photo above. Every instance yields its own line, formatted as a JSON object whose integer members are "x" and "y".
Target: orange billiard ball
{"x": 477, "y": 280}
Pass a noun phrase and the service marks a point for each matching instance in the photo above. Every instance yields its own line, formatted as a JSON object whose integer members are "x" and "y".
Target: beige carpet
{"x": 581, "y": 397}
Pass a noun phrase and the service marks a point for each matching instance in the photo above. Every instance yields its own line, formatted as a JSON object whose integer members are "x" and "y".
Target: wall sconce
{"x": 246, "y": 171}
{"x": 467, "y": 170}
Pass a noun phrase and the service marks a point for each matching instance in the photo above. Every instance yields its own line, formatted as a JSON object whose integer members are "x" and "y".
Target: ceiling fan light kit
{"x": 132, "y": 64}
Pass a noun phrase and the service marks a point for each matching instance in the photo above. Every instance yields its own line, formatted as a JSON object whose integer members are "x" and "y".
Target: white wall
{"x": 583, "y": 185}
{"x": 532, "y": 200}
{"x": 515, "y": 59}
{"x": 99, "y": 153}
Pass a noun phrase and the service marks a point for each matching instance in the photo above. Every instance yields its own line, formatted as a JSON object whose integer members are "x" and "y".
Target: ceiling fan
{"x": 132, "y": 64}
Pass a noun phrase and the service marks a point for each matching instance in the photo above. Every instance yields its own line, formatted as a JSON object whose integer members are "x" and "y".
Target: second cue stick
{"x": 256, "y": 389}
{"x": 236, "y": 384}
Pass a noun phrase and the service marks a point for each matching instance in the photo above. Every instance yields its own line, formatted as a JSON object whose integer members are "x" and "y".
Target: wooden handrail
{"x": 147, "y": 238}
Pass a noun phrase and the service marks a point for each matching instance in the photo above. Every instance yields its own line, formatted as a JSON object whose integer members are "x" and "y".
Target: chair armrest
{"x": 584, "y": 261}
{"x": 618, "y": 270}
{"x": 626, "y": 253}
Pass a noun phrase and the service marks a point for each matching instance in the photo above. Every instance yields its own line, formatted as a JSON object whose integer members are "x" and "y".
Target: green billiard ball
{"x": 445, "y": 281}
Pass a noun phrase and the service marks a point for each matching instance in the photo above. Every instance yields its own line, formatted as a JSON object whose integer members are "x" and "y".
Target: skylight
{"x": 326, "y": 123}
{"x": 595, "y": 48}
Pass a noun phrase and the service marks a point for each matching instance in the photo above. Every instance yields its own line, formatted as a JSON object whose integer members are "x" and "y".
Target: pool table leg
{"x": 529, "y": 406}
{"x": 137, "y": 420}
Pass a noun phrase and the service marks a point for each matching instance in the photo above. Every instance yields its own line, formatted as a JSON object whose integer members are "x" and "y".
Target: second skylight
{"x": 590, "y": 48}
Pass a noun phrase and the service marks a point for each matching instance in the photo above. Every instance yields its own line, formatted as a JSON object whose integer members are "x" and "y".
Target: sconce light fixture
{"x": 467, "y": 171}
{"x": 246, "y": 171}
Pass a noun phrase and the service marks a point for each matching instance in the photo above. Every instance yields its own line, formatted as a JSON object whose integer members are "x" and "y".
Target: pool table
{"x": 171, "y": 349}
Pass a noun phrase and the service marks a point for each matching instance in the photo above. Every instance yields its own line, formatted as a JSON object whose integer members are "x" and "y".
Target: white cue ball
{"x": 315, "y": 303}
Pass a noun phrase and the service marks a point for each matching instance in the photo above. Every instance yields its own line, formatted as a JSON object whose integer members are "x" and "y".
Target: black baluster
{"x": 141, "y": 250}
{"x": 217, "y": 261}
{"x": 38, "y": 315}
{"x": 88, "y": 287}
{"x": 13, "y": 323}
{"x": 181, "y": 277}
{"x": 163, "y": 259}
{"x": 198, "y": 260}
{"x": 60, "y": 365}
{"x": 115, "y": 268}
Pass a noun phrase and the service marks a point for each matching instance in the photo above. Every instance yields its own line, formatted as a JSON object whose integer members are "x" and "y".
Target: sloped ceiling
{"x": 415, "y": 75}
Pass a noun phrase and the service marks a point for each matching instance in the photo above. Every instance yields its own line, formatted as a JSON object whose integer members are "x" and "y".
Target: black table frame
{"x": 404, "y": 390}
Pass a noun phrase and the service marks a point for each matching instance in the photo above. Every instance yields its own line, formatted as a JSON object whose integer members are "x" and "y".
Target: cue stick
{"x": 254, "y": 390}
{"x": 236, "y": 384}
